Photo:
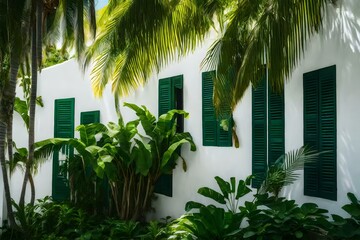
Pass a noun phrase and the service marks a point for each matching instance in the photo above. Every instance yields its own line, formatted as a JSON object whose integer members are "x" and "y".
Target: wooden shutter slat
{"x": 63, "y": 128}
{"x": 89, "y": 117}
{"x": 276, "y": 125}
{"x": 311, "y": 131}
{"x": 166, "y": 103}
{"x": 259, "y": 133}
{"x": 209, "y": 123}
{"x": 165, "y": 96}
{"x": 320, "y": 178}
{"x": 328, "y": 176}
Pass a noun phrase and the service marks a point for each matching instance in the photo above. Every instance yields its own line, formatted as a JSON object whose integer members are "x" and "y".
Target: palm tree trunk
{"x": 9, "y": 136}
{"x": 7, "y": 107}
{"x": 32, "y": 187}
{"x": 35, "y": 44}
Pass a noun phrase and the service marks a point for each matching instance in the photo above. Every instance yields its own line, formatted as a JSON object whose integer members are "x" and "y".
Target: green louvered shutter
{"x": 179, "y": 102}
{"x": 209, "y": 122}
{"x": 276, "y": 120}
{"x": 166, "y": 98}
{"x": 177, "y": 81}
{"x": 311, "y": 130}
{"x": 167, "y": 102}
{"x": 328, "y": 178}
{"x": 320, "y": 177}
{"x": 89, "y": 117}
{"x": 63, "y": 128}
{"x": 94, "y": 117}
{"x": 259, "y": 134}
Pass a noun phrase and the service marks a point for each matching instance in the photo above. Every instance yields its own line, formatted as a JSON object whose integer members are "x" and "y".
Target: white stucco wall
{"x": 339, "y": 45}
{"x": 66, "y": 80}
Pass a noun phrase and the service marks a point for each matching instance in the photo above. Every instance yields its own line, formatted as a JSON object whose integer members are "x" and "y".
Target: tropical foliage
{"x": 348, "y": 228}
{"x": 54, "y": 56}
{"x": 263, "y": 218}
{"x": 129, "y": 162}
{"x": 23, "y": 24}
{"x": 50, "y": 220}
{"x": 250, "y": 34}
{"x": 136, "y": 38}
{"x": 266, "y": 217}
{"x": 284, "y": 171}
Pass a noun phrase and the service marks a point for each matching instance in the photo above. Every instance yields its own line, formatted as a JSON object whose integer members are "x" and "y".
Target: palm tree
{"x": 137, "y": 38}
{"x": 12, "y": 42}
{"x": 261, "y": 32}
{"x": 72, "y": 11}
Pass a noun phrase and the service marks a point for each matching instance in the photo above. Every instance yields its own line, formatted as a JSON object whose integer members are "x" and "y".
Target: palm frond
{"x": 67, "y": 22}
{"x": 284, "y": 171}
{"x": 146, "y": 36}
{"x": 44, "y": 149}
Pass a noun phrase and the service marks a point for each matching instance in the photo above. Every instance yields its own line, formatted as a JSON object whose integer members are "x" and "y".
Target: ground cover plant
{"x": 112, "y": 177}
{"x": 266, "y": 217}
{"x": 50, "y": 220}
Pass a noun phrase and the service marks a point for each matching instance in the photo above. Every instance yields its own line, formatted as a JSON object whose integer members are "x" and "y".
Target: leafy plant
{"x": 348, "y": 228}
{"x": 157, "y": 231}
{"x": 49, "y": 220}
{"x": 278, "y": 218}
{"x": 130, "y": 162}
{"x": 209, "y": 222}
{"x": 54, "y": 56}
{"x": 229, "y": 196}
{"x": 284, "y": 171}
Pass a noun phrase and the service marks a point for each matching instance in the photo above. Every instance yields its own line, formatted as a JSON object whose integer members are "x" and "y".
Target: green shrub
{"x": 348, "y": 228}
{"x": 278, "y": 218}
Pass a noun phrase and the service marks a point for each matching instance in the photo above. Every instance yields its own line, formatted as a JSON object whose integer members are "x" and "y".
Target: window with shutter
{"x": 213, "y": 133}
{"x": 276, "y": 125}
{"x": 268, "y": 121}
{"x": 320, "y": 177}
{"x": 63, "y": 128}
{"x": 102, "y": 185}
{"x": 89, "y": 117}
{"x": 170, "y": 97}
{"x": 259, "y": 134}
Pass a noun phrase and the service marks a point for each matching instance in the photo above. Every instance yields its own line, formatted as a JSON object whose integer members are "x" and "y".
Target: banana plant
{"x": 163, "y": 139}
{"x": 211, "y": 222}
{"x": 229, "y": 196}
{"x": 131, "y": 162}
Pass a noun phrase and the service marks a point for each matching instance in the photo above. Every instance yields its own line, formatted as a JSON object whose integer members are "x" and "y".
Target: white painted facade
{"x": 339, "y": 45}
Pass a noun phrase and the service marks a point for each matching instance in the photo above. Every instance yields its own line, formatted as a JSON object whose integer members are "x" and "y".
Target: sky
{"x": 100, "y": 3}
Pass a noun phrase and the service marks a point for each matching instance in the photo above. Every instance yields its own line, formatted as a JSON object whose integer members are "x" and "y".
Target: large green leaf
{"x": 21, "y": 107}
{"x": 89, "y": 131}
{"x": 93, "y": 149}
{"x": 352, "y": 198}
{"x": 146, "y": 118}
{"x": 193, "y": 205}
{"x": 224, "y": 186}
{"x": 45, "y": 148}
{"x": 185, "y": 135}
{"x": 352, "y": 209}
{"x": 210, "y": 193}
{"x": 143, "y": 158}
{"x": 171, "y": 150}
{"x": 166, "y": 118}
{"x": 242, "y": 189}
